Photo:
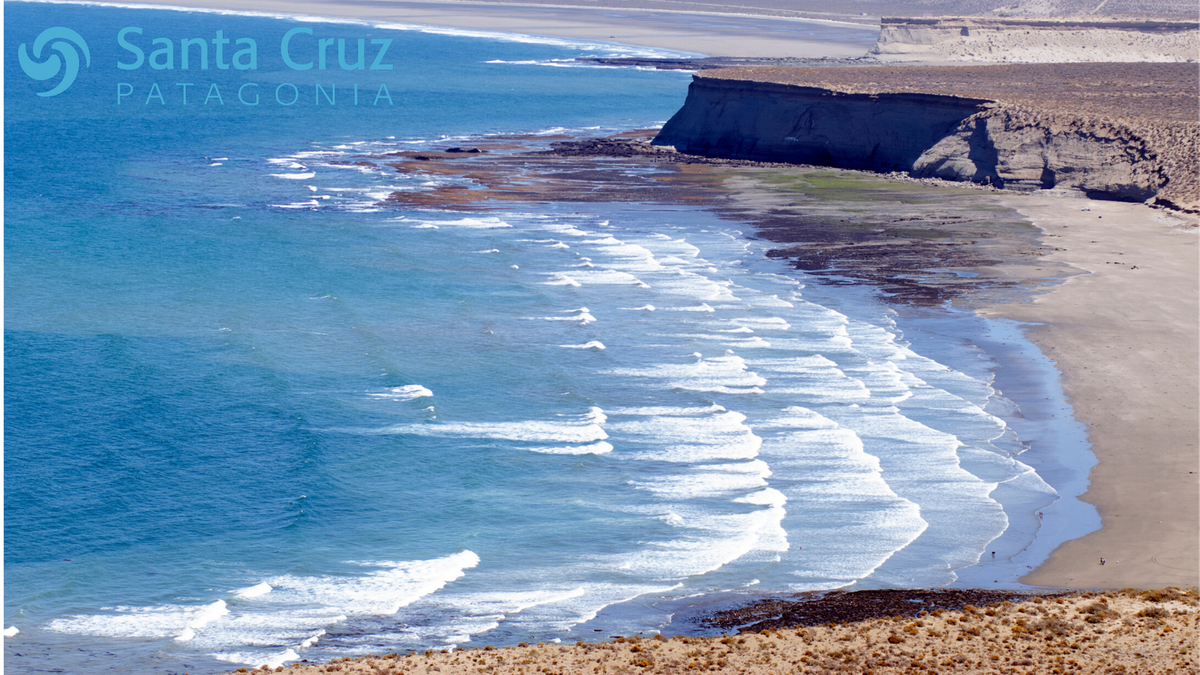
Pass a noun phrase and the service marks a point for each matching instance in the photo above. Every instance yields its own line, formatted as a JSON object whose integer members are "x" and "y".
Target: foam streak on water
{"x": 738, "y": 431}
{"x": 737, "y": 428}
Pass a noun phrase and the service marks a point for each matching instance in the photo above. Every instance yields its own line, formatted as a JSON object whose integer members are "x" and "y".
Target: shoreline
{"x": 1031, "y": 278}
{"x": 693, "y": 32}
{"x": 881, "y": 633}
{"x": 1148, "y": 323}
{"x": 1002, "y": 263}
{"x": 1092, "y": 298}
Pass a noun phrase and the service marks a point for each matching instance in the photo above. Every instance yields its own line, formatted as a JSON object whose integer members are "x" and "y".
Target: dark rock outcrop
{"x": 932, "y": 135}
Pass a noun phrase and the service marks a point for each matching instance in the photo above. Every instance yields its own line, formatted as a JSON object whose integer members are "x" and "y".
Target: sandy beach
{"x": 1124, "y": 336}
{"x": 758, "y": 32}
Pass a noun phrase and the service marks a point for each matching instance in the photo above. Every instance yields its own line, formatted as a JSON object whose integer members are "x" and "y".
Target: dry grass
{"x": 1117, "y": 632}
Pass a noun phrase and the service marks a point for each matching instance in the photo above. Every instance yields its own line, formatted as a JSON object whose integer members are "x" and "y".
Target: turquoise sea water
{"x": 254, "y": 415}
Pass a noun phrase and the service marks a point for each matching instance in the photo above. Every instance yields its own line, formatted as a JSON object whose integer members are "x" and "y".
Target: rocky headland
{"x": 1126, "y": 131}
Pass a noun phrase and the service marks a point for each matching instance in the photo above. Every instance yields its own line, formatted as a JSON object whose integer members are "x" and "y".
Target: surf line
{"x": 251, "y": 94}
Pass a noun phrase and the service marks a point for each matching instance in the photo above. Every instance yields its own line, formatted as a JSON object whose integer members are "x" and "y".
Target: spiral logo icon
{"x": 66, "y": 42}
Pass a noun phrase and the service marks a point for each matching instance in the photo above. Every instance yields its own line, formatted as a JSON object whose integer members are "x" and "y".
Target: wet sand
{"x": 1125, "y": 337}
{"x": 1146, "y": 633}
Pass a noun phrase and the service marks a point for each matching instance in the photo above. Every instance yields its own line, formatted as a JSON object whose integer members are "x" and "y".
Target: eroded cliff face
{"x": 1035, "y": 40}
{"x": 931, "y": 135}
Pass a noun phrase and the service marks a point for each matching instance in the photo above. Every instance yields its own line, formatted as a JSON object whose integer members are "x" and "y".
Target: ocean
{"x": 254, "y": 413}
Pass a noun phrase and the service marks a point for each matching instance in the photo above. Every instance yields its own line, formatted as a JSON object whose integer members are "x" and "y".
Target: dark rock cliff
{"x": 928, "y": 135}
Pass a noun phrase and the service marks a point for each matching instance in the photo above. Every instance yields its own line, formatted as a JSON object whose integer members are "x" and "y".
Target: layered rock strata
{"x": 945, "y": 133}
{"x": 1036, "y": 40}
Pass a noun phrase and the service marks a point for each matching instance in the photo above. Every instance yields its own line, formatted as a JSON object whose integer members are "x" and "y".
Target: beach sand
{"x": 705, "y": 32}
{"x": 1145, "y": 633}
{"x": 1125, "y": 337}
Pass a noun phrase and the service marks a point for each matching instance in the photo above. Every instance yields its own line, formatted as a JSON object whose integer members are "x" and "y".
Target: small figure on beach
{"x": 1102, "y": 561}
{"x": 993, "y": 554}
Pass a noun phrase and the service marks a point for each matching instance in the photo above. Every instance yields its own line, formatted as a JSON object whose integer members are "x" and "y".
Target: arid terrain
{"x": 1146, "y": 632}
{"x": 1161, "y": 92}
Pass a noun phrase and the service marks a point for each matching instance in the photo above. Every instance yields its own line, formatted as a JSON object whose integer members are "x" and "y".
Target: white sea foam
{"x": 295, "y": 176}
{"x": 489, "y": 223}
{"x": 559, "y": 279}
{"x": 723, "y": 374}
{"x": 163, "y": 621}
{"x": 581, "y": 429}
{"x": 669, "y": 411}
{"x": 312, "y": 639}
{"x": 254, "y": 591}
{"x": 407, "y": 392}
{"x": 606, "y": 277}
{"x": 763, "y": 323}
{"x": 257, "y": 659}
{"x": 686, "y": 439}
{"x": 310, "y": 204}
{"x": 716, "y": 542}
{"x": 593, "y": 344}
{"x": 11, "y": 631}
{"x": 555, "y": 606}
{"x": 295, "y": 611}
{"x": 599, "y": 448}
{"x": 581, "y": 316}
{"x": 716, "y": 481}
